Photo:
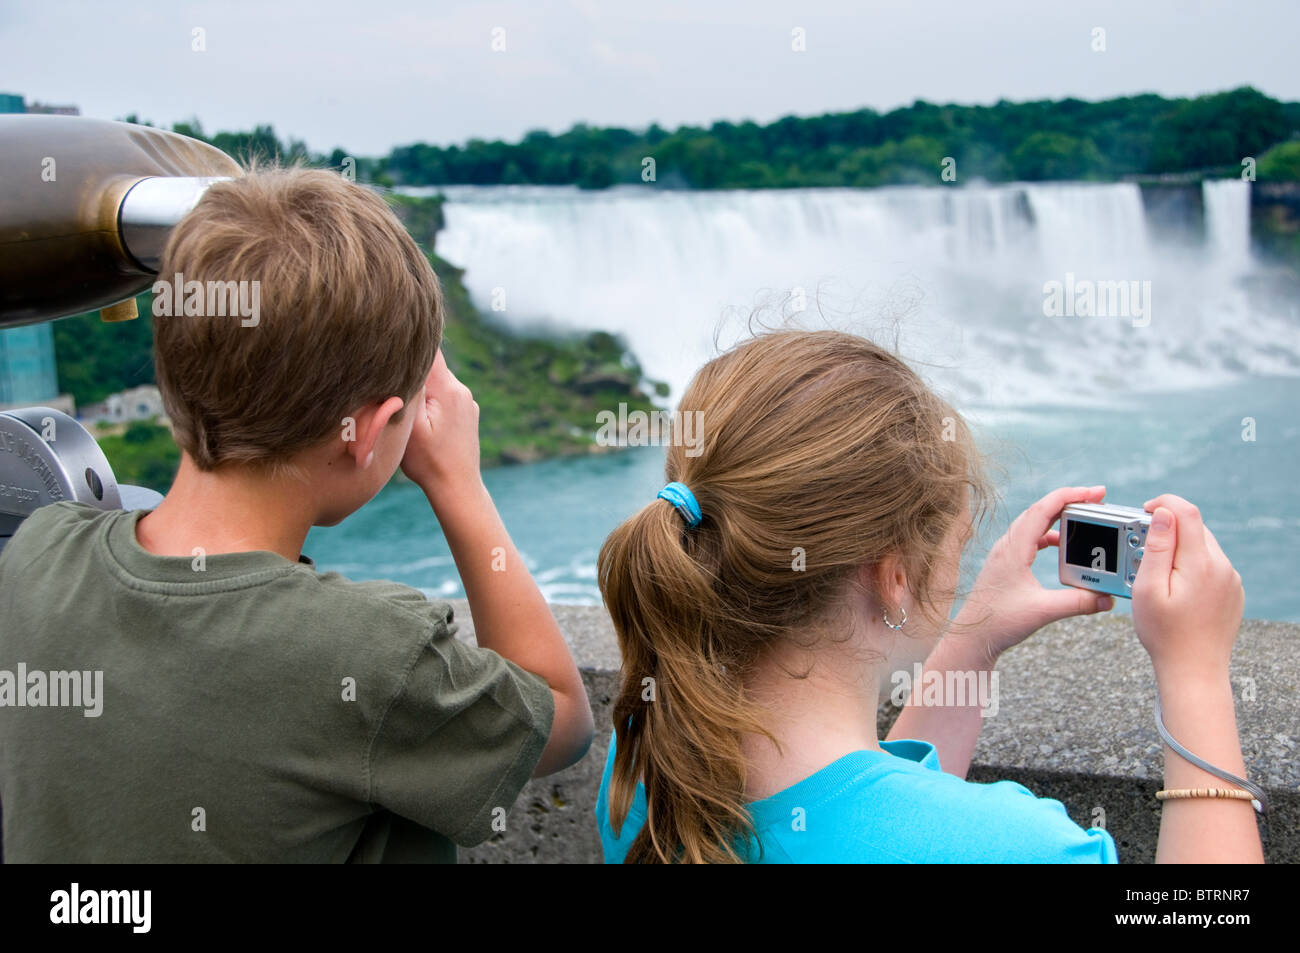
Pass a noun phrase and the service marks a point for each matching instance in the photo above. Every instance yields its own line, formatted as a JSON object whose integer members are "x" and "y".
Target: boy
{"x": 253, "y": 709}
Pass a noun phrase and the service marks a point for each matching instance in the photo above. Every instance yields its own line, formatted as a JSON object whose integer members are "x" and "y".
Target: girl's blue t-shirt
{"x": 894, "y": 806}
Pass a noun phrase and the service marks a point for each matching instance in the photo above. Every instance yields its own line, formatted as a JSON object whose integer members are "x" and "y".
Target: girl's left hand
{"x": 1007, "y": 604}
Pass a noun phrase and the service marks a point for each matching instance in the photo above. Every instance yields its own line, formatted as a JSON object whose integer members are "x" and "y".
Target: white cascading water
{"x": 1227, "y": 222}
{"x": 958, "y": 276}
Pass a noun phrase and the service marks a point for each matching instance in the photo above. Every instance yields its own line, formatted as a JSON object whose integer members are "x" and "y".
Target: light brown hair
{"x": 819, "y": 440}
{"x": 350, "y": 313}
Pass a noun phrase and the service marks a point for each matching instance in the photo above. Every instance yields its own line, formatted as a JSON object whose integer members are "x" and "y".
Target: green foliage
{"x": 422, "y": 217}
{"x": 144, "y": 454}
{"x": 1054, "y": 155}
{"x": 914, "y": 160}
{"x": 138, "y": 432}
{"x": 1069, "y": 138}
{"x": 259, "y": 145}
{"x": 1216, "y": 131}
{"x": 595, "y": 173}
{"x": 95, "y": 359}
{"x": 1275, "y": 228}
{"x": 1280, "y": 164}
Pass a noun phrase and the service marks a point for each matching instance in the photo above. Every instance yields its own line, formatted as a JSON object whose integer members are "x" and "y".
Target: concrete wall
{"x": 1075, "y": 722}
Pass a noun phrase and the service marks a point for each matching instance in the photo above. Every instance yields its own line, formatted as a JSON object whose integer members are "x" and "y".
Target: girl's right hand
{"x": 1187, "y": 598}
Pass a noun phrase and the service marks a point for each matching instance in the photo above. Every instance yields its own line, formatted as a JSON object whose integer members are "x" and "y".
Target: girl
{"x": 760, "y": 601}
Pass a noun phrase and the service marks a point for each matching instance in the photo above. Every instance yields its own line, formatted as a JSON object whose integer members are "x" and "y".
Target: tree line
{"x": 1028, "y": 141}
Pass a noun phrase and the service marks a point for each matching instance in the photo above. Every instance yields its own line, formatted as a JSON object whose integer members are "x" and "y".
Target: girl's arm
{"x": 952, "y": 730}
{"x": 1187, "y": 606}
{"x": 1005, "y": 607}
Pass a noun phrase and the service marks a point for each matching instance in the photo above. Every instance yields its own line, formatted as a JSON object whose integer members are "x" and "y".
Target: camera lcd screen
{"x": 1091, "y": 546}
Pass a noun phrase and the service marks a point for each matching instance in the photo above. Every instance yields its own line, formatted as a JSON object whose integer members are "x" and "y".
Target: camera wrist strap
{"x": 1260, "y": 803}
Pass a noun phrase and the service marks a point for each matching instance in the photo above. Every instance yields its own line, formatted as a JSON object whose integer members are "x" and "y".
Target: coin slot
{"x": 96, "y": 485}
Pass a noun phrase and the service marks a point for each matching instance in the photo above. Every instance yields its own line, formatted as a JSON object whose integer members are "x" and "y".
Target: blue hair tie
{"x": 684, "y": 500}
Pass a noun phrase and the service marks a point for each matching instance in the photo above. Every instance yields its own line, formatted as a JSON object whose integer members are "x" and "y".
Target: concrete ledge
{"x": 1075, "y": 722}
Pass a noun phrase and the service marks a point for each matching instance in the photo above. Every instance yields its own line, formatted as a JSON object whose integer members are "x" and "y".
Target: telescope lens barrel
{"x": 151, "y": 209}
{"x": 71, "y": 240}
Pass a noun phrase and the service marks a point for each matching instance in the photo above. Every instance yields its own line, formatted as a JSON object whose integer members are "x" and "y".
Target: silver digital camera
{"x": 1101, "y": 546}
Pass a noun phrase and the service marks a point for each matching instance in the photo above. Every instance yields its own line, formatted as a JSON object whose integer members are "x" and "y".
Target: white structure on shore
{"x": 135, "y": 403}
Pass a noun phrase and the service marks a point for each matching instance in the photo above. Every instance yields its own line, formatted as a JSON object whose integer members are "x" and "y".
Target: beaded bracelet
{"x": 1178, "y": 794}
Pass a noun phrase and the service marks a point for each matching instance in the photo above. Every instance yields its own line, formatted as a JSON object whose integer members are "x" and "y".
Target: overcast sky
{"x": 368, "y": 76}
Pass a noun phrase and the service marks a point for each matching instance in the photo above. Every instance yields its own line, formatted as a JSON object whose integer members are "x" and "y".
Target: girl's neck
{"x": 818, "y": 719}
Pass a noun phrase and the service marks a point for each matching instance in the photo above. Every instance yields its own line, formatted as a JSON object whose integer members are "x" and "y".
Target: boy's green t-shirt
{"x": 249, "y": 708}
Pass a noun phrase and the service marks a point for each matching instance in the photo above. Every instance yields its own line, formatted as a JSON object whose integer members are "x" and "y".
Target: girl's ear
{"x": 368, "y": 424}
{"x": 889, "y": 581}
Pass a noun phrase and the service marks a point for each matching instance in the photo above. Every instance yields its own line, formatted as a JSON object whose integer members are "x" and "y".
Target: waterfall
{"x": 1227, "y": 222}
{"x": 960, "y": 277}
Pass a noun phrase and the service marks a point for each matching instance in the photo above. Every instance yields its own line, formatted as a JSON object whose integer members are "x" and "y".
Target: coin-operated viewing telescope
{"x": 86, "y": 206}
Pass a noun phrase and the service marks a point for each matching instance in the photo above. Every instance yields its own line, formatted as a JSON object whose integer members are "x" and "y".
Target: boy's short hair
{"x": 349, "y": 313}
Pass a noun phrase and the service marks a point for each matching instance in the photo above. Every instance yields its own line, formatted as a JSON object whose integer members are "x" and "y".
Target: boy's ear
{"x": 368, "y": 423}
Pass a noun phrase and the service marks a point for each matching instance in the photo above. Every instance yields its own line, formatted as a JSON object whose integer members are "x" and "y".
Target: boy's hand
{"x": 1007, "y": 604}
{"x": 1187, "y": 598}
{"x": 442, "y": 455}
{"x": 510, "y": 614}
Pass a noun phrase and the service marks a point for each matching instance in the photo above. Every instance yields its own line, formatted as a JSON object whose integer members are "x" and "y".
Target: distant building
{"x": 14, "y": 103}
{"x": 136, "y": 403}
{"x": 27, "y": 372}
{"x": 50, "y": 110}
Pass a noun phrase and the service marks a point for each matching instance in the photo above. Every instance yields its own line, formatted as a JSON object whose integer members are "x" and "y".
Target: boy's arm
{"x": 510, "y": 616}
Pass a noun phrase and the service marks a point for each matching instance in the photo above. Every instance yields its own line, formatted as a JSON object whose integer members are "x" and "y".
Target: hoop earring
{"x": 885, "y": 615}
